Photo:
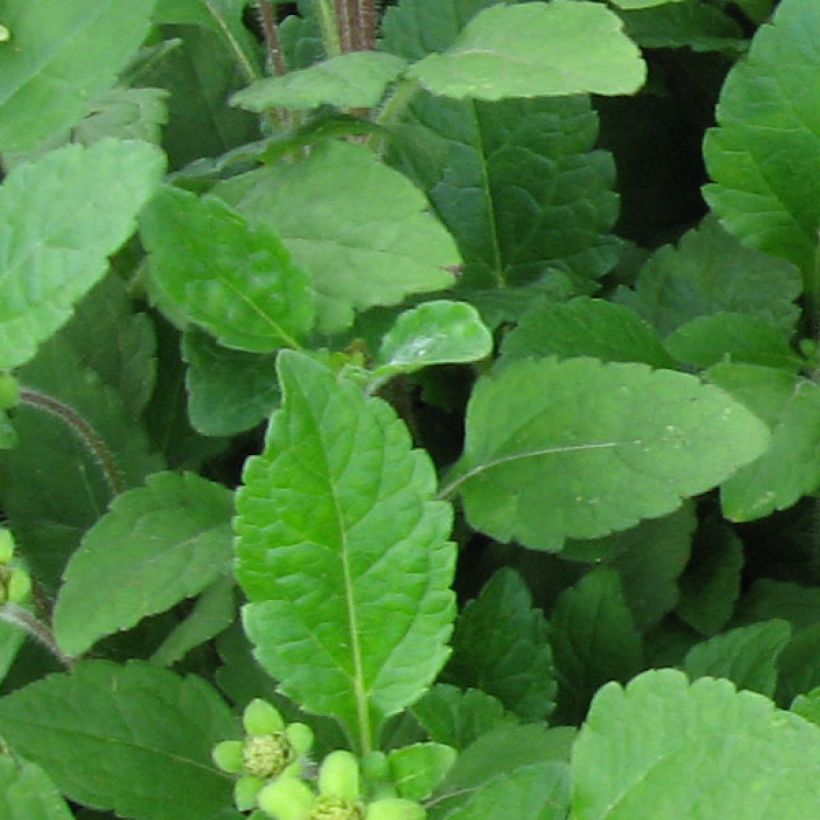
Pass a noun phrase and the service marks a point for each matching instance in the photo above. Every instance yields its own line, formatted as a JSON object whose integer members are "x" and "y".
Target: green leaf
{"x": 63, "y": 55}
{"x": 665, "y": 748}
{"x": 593, "y": 640}
{"x": 798, "y": 665}
{"x": 535, "y": 50}
{"x": 354, "y": 80}
{"x": 127, "y": 114}
{"x": 458, "y": 718}
{"x": 418, "y": 769}
{"x": 767, "y": 598}
{"x": 228, "y": 390}
{"x": 747, "y": 656}
{"x": 641, "y": 4}
{"x": 586, "y": 327}
{"x": 438, "y": 332}
{"x": 500, "y": 646}
{"x": 27, "y": 793}
{"x": 11, "y": 639}
{"x": 790, "y": 468}
{"x": 589, "y": 448}
{"x": 65, "y": 214}
{"x": 738, "y": 337}
{"x": 765, "y": 153}
{"x": 336, "y": 509}
{"x": 228, "y": 274}
{"x": 156, "y": 546}
{"x": 808, "y": 706}
{"x": 133, "y": 739}
{"x": 329, "y": 211}
{"x": 711, "y": 272}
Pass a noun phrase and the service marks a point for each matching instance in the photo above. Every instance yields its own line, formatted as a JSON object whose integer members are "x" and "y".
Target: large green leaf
{"x": 665, "y": 748}
{"x": 579, "y": 449}
{"x": 226, "y": 273}
{"x": 342, "y": 553}
{"x": 133, "y": 739}
{"x": 536, "y": 50}
{"x": 26, "y": 793}
{"x": 330, "y": 212}
{"x": 157, "y": 545}
{"x": 764, "y": 156}
{"x": 60, "y": 56}
{"x": 63, "y": 216}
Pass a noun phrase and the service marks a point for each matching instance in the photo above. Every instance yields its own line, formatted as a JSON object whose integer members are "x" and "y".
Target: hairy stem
{"x": 22, "y": 619}
{"x": 326, "y": 11}
{"x": 346, "y": 18}
{"x": 87, "y": 435}
{"x": 270, "y": 31}
{"x": 368, "y": 23}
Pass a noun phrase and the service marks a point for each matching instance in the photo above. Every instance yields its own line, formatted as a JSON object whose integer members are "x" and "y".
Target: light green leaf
{"x": 641, "y": 4}
{"x": 330, "y": 212}
{"x": 808, "y": 706}
{"x": 665, "y": 748}
{"x": 228, "y": 274}
{"x": 331, "y": 515}
{"x": 133, "y": 739}
{"x": 711, "y": 272}
{"x": 63, "y": 55}
{"x": 535, "y": 50}
{"x": 438, "y": 332}
{"x": 593, "y": 639}
{"x": 418, "y": 769}
{"x": 586, "y": 327}
{"x": 228, "y": 390}
{"x": 747, "y": 656}
{"x": 764, "y": 156}
{"x": 588, "y": 448}
{"x": 157, "y": 545}
{"x": 125, "y": 113}
{"x": 27, "y": 793}
{"x": 790, "y": 468}
{"x": 738, "y": 337}
{"x": 500, "y": 646}
{"x": 354, "y": 80}
{"x": 63, "y": 216}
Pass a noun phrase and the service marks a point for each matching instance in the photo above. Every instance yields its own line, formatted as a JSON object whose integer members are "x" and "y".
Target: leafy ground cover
{"x": 409, "y": 410}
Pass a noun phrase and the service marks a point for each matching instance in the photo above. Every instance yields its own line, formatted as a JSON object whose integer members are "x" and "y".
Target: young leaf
{"x": 64, "y": 215}
{"x": 132, "y": 739}
{"x": 354, "y": 80}
{"x": 343, "y": 553}
{"x": 63, "y": 55}
{"x": 790, "y": 468}
{"x": 228, "y": 390}
{"x": 586, "y": 327}
{"x": 330, "y": 212}
{"x": 418, "y": 769}
{"x": 665, "y": 748}
{"x": 593, "y": 640}
{"x": 764, "y": 156}
{"x": 157, "y": 545}
{"x": 747, "y": 656}
{"x": 229, "y": 275}
{"x": 27, "y": 793}
{"x": 535, "y": 50}
{"x": 588, "y": 448}
{"x": 500, "y": 646}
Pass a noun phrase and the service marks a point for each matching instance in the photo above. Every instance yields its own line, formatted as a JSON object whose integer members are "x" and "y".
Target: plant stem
{"x": 23, "y": 619}
{"x": 392, "y": 111}
{"x": 270, "y": 31}
{"x": 346, "y": 18}
{"x": 368, "y": 24}
{"x": 90, "y": 438}
{"x": 326, "y": 11}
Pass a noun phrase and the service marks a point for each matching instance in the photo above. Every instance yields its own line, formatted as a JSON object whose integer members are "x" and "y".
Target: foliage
{"x": 389, "y": 394}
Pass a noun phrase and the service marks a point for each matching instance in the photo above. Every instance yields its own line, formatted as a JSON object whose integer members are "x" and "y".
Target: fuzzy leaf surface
{"x": 588, "y": 448}
{"x": 27, "y": 793}
{"x": 130, "y": 739}
{"x": 62, "y": 55}
{"x": 229, "y": 275}
{"x": 663, "y": 747}
{"x": 535, "y": 50}
{"x": 330, "y": 212}
{"x": 764, "y": 156}
{"x": 157, "y": 545}
{"x": 62, "y": 216}
{"x": 336, "y": 510}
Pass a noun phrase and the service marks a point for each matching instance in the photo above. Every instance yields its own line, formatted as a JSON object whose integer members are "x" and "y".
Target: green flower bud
{"x": 300, "y": 736}
{"x": 267, "y": 756}
{"x": 245, "y": 791}
{"x": 395, "y": 808}
{"x": 331, "y": 807}
{"x": 339, "y": 775}
{"x": 260, "y": 718}
{"x": 286, "y": 799}
{"x": 6, "y": 546}
{"x": 18, "y": 587}
{"x": 228, "y": 756}
{"x": 9, "y": 389}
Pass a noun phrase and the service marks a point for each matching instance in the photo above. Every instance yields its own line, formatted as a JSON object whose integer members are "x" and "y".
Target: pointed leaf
{"x": 337, "y": 510}
{"x": 536, "y": 50}
{"x": 131, "y": 739}
{"x": 63, "y": 215}
{"x": 63, "y": 54}
{"x": 156, "y": 546}
{"x": 354, "y": 80}
{"x": 27, "y": 793}
{"x": 227, "y": 274}
{"x": 586, "y": 448}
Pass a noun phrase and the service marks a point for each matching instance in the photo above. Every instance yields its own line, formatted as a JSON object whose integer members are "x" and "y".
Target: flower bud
{"x": 261, "y": 718}
{"x": 6, "y": 545}
{"x": 287, "y": 798}
{"x": 18, "y": 587}
{"x": 267, "y": 756}
{"x": 395, "y": 808}
{"x": 228, "y": 756}
{"x": 339, "y": 775}
{"x": 300, "y": 737}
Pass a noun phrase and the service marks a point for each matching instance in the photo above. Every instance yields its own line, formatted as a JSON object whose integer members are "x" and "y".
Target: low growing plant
{"x": 409, "y": 411}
